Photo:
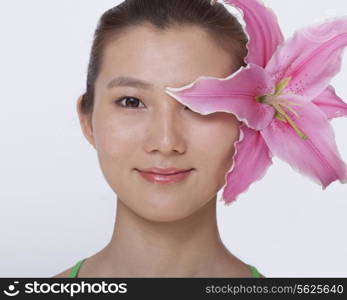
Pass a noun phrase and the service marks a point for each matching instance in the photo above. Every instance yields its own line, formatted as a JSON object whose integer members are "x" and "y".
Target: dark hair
{"x": 163, "y": 14}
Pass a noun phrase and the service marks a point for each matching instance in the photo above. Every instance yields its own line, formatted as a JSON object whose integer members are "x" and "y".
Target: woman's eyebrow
{"x": 129, "y": 81}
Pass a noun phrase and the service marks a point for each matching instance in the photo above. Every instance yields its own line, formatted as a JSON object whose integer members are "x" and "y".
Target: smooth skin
{"x": 162, "y": 230}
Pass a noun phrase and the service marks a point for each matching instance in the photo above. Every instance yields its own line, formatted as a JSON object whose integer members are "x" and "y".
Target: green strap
{"x": 254, "y": 271}
{"x": 75, "y": 269}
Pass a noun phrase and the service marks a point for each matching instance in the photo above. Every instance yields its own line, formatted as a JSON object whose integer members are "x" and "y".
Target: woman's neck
{"x": 189, "y": 247}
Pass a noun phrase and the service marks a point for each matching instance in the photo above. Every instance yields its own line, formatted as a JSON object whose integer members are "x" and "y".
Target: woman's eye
{"x": 133, "y": 102}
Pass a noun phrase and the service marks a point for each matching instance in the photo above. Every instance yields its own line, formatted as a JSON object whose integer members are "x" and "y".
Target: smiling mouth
{"x": 165, "y": 178}
{"x": 166, "y": 171}
{"x": 167, "y": 174}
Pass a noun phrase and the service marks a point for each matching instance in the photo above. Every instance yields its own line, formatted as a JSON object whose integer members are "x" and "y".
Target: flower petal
{"x": 262, "y": 28}
{"x": 312, "y": 57}
{"x": 331, "y": 104}
{"x": 317, "y": 157}
{"x": 251, "y": 161}
{"x": 235, "y": 94}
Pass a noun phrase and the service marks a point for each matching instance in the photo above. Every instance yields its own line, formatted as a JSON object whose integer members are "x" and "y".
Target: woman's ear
{"x": 85, "y": 122}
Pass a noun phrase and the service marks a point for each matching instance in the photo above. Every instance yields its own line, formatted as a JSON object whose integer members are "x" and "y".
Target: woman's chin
{"x": 164, "y": 212}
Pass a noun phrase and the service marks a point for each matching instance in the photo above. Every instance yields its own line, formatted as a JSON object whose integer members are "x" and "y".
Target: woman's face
{"x": 152, "y": 129}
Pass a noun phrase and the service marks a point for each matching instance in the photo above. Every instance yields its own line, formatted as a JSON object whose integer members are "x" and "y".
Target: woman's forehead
{"x": 170, "y": 55}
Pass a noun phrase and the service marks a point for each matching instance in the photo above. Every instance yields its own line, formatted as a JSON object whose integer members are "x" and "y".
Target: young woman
{"x": 165, "y": 224}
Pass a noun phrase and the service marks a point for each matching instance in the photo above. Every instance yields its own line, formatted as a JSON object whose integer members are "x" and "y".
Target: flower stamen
{"x": 290, "y": 121}
{"x": 278, "y": 104}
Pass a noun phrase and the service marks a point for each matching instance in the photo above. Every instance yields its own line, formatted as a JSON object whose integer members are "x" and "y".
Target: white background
{"x": 55, "y": 206}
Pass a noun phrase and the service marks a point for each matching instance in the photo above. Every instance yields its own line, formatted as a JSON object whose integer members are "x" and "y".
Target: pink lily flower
{"x": 282, "y": 97}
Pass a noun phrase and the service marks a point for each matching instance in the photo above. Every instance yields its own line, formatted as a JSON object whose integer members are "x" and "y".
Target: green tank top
{"x": 75, "y": 269}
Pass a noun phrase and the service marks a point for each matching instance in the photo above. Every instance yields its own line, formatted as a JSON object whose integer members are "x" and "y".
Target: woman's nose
{"x": 165, "y": 132}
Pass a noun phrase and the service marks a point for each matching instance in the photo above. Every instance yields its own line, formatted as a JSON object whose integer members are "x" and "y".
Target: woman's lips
{"x": 161, "y": 178}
